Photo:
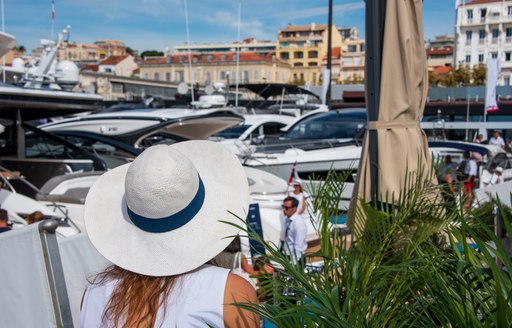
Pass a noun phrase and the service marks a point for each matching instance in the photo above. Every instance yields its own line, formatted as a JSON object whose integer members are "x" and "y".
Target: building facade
{"x": 208, "y": 68}
{"x": 483, "y": 31}
{"x": 109, "y": 47}
{"x": 352, "y": 61}
{"x": 304, "y": 48}
{"x": 246, "y": 45}
{"x": 79, "y": 52}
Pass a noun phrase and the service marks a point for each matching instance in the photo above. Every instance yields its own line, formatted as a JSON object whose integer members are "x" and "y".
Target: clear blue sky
{"x": 156, "y": 24}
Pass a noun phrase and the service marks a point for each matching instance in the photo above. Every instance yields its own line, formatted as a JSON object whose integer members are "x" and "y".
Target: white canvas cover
{"x": 25, "y": 299}
{"x": 80, "y": 262}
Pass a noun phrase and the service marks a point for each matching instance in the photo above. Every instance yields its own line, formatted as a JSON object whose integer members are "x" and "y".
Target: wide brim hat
{"x": 161, "y": 215}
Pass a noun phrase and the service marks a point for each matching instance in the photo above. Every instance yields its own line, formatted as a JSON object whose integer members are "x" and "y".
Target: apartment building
{"x": 304, "y": 48}
{"x": 207, "y": 68}
{"x": 246, "y": 45}
{"x": 110, "y": 47}
{"x": 352, "y": 61}
{"x": 484, "y": 30}
{"x": 79, "y": 52}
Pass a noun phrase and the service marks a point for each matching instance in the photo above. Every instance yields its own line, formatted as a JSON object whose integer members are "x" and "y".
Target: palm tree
{"x": 411, "y": 265}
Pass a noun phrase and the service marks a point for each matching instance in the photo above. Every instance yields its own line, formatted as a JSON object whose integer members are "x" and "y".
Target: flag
{"x": 292, "y": 174}
{"x": 53, "y": 10}
{"x": 493, "y": 73}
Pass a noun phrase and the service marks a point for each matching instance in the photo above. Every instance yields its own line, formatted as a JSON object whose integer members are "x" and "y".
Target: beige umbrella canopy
{"x": 401, "y": 145}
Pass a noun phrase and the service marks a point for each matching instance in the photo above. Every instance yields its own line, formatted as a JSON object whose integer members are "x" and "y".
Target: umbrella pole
{"x": 374, "y": 25}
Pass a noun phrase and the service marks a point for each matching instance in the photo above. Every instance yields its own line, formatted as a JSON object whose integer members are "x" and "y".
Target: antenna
{"x": 189, "y": 53}
{"x": 238, "y": 54}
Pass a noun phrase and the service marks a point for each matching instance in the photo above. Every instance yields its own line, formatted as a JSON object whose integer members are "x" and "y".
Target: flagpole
{"x": 53, "y": 19}
{"x": 3, "y": 31}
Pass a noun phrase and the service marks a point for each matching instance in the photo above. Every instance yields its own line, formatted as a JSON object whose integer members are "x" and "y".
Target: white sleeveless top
{"x": 196, "y": 300}
{"x": 300, "y": 197}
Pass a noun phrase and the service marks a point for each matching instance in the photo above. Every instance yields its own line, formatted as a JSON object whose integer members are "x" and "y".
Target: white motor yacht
{"x": 331, "y": 141}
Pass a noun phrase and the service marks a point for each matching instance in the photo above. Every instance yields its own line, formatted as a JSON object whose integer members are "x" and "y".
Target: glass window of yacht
{"x": 330, "y": 125}
{"x": 232, "y": 133}
{"x": 110, "y": 154}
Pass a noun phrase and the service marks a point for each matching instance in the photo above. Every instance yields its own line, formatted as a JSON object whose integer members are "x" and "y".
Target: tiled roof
{"x": 113, "y": 60}
{"x": 90, "y": 68}
{"x": 212, "y": 58}
{"x": 439, "y": 51}
{"x": 440, "y": 70}
{"x": 478, "y": 2}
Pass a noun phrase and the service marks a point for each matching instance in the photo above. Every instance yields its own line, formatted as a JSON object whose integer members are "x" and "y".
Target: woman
{"x": 158, "y": 221}
{"x": 298, "y": 193}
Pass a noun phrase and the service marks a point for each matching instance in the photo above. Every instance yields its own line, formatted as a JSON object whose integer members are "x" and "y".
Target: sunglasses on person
{"x": 284, "y": 207}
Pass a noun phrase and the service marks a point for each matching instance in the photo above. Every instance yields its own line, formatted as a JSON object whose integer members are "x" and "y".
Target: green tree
{"x": 150, "y": 53}
{"x": 129, "y": 50}
{"x": 411, "y": 266}
{"x": 478, "y": 75}
{"x": 462, "y": 75}
{"x": 21, "y": 49}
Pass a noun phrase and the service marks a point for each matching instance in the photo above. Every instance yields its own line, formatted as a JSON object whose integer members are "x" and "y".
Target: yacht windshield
{"x": 232, "y": 133}
{"x": 329, "y": 125}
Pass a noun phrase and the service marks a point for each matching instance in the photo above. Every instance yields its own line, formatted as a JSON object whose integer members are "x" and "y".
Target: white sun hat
{"x": 160, "y": 215}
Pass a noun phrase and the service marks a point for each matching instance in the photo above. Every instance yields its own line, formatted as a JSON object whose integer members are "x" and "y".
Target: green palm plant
{"x": 404, "y": 268}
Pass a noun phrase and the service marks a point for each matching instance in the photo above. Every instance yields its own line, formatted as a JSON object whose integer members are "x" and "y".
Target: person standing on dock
{"x": 294, "y": 243}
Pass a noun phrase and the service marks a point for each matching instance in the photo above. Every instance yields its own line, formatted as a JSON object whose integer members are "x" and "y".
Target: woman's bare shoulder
{"x": 239, "y": 290}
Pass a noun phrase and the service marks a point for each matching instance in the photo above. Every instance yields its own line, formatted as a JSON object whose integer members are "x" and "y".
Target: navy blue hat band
{"x": 173, "y": 221}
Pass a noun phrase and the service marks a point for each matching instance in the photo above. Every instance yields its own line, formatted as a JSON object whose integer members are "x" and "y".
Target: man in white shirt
{"x": 497, "y": 140}
{"x": 294, "y": 242}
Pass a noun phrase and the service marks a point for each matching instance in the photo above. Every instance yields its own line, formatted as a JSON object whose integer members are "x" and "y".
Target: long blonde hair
{"x": 136, "y": 298}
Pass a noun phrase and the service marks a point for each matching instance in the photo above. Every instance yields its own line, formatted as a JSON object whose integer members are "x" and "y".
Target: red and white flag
{"x": 292, "y": 174}
{"x": 493, "y": 73}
